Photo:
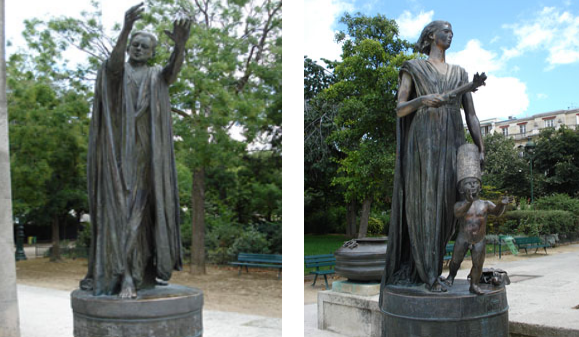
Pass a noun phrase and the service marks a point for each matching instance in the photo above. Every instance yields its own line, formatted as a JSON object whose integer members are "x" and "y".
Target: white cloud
{"x": 319, "y": 17}
{"x": 551, "y": 30}
{"x": 500, "y": 98}
{"x": 474, "y": 58}
{"x": 411, "y": 26}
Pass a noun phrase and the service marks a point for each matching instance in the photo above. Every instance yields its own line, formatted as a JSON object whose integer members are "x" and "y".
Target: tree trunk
{"x": 351, "y": 219}
{"x": 55, "y": 256}
{"x": 364, "y": 217}
{"x": 198, "y": 222}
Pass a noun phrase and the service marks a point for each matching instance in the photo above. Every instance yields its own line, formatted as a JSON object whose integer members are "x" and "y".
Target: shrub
{"x": 218, "y": 239}
{"x": 540, "y": 222}
{"x": 273, "y": 232}
{"x": 561, "y": 202}
{"x": 84, "y": 237}
{"x": 375, "y": 226}
{"x": 250, "y": 241}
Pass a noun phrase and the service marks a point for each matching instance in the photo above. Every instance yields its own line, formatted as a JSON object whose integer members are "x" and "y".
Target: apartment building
{"x": 520, "y": 129}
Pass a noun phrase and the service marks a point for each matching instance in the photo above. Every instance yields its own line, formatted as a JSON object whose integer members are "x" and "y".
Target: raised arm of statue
{"x": 180, "y": 35}
{"x": 117, "y": 58}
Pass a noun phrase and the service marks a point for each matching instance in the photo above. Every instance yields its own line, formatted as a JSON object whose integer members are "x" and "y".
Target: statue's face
{"x": 141, "y": 48}
{"x": 443, "y": 36}
{"x": 471, "y": 186}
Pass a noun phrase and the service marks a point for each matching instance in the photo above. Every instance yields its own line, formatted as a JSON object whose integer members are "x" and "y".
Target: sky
{"x": 528, "y": 49}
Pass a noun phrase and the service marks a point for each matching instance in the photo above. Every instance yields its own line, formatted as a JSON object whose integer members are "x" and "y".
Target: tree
{"x": 48, "y": 128}
{"x": 322, "y": 200}
{"x": 365, "y": 93}
{"x": 505, "y": 169}
{"x": 557, "y": 159}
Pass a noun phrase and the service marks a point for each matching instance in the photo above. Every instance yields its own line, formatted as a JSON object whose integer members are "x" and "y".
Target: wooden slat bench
{"x": 317, "y": 261}
{"x": 530, "y": 243}
{"x": 258, "y": 261}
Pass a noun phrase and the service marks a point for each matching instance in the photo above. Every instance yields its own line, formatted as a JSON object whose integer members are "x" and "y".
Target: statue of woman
{"x": 132, "y": 179}
{"x": 429, "y": 133}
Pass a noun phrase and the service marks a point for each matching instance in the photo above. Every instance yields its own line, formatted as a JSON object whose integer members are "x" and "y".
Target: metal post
{"x": 20, "y": 255}
{"x": 532, "y": 179}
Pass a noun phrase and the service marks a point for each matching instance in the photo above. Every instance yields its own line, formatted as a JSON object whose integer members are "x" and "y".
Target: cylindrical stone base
{"x": 417, "y": 312}
{"x": 168, "y": 311}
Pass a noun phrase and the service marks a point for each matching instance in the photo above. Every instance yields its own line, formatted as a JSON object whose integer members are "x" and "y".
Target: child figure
{"x": 472, "y": 214}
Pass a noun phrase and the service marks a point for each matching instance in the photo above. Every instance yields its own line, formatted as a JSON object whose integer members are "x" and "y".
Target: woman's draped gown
{"x": 422, "y": 218}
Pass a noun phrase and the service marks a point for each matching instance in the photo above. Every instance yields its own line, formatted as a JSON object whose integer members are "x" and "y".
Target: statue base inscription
{"x": 415, "y": 311}
{"x": 168, "y": 311}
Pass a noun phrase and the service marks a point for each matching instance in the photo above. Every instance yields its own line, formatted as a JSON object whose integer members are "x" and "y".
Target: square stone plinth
{"x": 349, "y": 314}
{"x": 356, "y": 288}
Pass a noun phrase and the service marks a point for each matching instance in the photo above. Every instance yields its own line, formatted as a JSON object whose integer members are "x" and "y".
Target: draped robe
{"x": 132, "y": 181}
{"x": 422, "y": 218}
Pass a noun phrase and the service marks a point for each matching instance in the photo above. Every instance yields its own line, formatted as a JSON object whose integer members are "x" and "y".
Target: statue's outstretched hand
{"x": 181, "y": 30}
{"x": 133, "y": 14}
{"x": 507, "y": 199}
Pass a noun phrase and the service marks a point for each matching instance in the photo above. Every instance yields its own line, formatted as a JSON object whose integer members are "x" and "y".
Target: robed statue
{"x": 429, "y": 132}
{"x": 132, "y": 179}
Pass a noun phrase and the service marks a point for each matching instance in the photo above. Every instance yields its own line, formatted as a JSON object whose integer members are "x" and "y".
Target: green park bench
{"x": 448, "y": 255}
{"x": 317, "y": 261}
{"x": 258, "y": 261}
{"x": 530, "y": 243}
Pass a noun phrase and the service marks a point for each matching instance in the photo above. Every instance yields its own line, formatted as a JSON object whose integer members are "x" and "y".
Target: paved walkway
{"x": 47, "y": 313}
{"x": 542, "y": 296}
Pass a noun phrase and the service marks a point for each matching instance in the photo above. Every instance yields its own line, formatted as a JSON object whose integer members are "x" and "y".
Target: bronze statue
{"x": 132, "y": 179}
{"x": 429, "y": 133}
{"x": 472, "y": 214}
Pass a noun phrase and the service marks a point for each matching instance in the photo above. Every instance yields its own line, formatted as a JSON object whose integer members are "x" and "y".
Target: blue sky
{"x": 529, "y": 49}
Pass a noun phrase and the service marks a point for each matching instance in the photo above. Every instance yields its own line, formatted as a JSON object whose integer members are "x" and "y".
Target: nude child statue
{"x": 472, "y": 214}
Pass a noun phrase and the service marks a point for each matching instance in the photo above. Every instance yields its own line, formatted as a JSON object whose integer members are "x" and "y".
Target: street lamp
{"x": 19, "y": 240}
{"x": 530, "y": 149}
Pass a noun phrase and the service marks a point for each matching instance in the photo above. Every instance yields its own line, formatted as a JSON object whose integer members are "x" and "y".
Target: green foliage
{"x": 48, "y": 125}
{"x": 505, "y": 172}
{"x": 225, "y": 241}
{"x": 352, "y": 123}
{"x": 558, "y": 201}
{"x": 557, "y": 160}
{"x": 375, "y": 226}
{"x": 541, "y": 222}
{"x": 324, "y": 219}
{"x": 84, "y": 236}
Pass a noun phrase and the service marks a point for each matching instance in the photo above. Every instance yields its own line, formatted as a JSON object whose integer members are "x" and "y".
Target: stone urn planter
{"x": 362, "y": 260}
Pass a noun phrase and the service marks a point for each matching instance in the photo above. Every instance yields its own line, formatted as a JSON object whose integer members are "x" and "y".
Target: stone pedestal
{"x": 169, "y": 311}
{"x": 417, "y": 312}
{"x": 349, "y": 314}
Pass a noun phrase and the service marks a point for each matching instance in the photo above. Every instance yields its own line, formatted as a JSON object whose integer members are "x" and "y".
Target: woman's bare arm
{"x": 406, "y": 107}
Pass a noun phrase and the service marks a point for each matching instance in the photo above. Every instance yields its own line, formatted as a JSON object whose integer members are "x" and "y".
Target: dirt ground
{"x": 311, "y": 293}
{"x": 257, "y": 292}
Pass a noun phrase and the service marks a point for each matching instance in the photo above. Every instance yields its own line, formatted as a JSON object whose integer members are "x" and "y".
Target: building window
{"x": 485, "y": 130}
{"x": 505, "y": 131}
{"x": 523, "y": 128}
{"x": 549, "y": 123}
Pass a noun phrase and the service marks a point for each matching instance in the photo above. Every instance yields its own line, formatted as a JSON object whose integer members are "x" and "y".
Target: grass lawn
{"x": 322, "y": 244}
